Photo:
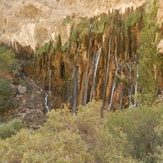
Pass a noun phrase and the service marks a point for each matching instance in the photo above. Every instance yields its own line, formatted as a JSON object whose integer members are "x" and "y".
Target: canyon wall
{"x": 33, "y": 23}
{"x": 82, "y": 50}
{"x": 97, "y": 62}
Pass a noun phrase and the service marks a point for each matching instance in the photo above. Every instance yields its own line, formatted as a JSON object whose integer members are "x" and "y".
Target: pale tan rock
{"x": 33, "y": 23}
{"x": 22, "y": 89}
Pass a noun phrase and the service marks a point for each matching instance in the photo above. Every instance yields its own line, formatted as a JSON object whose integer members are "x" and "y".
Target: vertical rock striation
{"x": 97, "y": 61}
{"x": 79, "y": 58}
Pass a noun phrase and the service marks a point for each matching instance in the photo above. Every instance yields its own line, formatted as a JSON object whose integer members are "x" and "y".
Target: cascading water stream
{"x": 107, "y": 68}
{"x": 136, "y": 88}
{"x": 112, "y": 93}
{"x": 97, "y": 58}
{"x": 45, "y": 94}
{"x": 75, "y": 90}
{"x": 46, "y": 102}
{"x": 87, "y": 69}
{"x": 40, "y": 89}
{"x": 75, "y": 84}
{"x": 136, "y": 84}
{"x": 114, "y": 83}
{"x": 130, "y": 87}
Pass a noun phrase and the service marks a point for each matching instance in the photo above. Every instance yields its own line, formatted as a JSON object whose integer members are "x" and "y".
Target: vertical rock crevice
{"x": 97, "y": 61}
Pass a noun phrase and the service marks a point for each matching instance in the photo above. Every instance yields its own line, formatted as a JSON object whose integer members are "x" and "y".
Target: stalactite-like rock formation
{"x": 101, "y": 51}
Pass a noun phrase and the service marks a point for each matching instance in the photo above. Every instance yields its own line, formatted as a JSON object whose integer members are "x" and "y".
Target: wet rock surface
{"x": 31, "y": 108}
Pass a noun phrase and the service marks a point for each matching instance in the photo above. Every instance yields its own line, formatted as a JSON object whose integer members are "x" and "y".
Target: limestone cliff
{"x": 32, "y": 23}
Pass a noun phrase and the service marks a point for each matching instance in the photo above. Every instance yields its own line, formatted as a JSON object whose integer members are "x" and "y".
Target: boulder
{"x": 21, "y": 89}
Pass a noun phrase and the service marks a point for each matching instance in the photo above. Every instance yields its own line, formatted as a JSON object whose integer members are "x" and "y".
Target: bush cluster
{"x": 6, "y": 96}
{"x": 124, "y": 136}
{"x": 8, "y": 67}
{"x": 9, "y": 129}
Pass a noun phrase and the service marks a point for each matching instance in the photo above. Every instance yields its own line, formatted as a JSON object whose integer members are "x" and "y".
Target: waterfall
{"x": 75, "y": 83}
{"x": 75, "y": 90}
{"x": 136, "y": 87}
{"x": 114, "y": 83}
{"x": 46, "y": 102}
{"x": 107, "y": 68}
{"x": 130, "y": 87}
{"x": 40, "y": 89}
{"x": 85, "y": 87}
{"x": 87, "y": 68}
{"x": 50, "y": 77}
{"x": 69, "y": 98}
{"x": 97, "y": 58}
{"x": 136, "y": 84}
{"x": 112, "y": 93}
{"x": 45, "y": 94}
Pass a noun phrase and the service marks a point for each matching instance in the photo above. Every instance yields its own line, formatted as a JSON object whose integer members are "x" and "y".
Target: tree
{"x": 150, "y": 60}
{"x": 8, "y": 64}
{"x": 6, "y": 95}
{"x": 7, "y": 60}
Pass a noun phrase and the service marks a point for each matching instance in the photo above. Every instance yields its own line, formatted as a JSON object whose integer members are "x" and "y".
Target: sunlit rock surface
{"x": 32, "y": 23}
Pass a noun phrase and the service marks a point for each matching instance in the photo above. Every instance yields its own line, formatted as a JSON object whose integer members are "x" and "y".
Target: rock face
{"x": 97, "y": 62}
{"x": 80, "y": 54}
{"x": 31, "y": 108}
{"x": 21, "y": 89}
{"x": 33, "y": 23}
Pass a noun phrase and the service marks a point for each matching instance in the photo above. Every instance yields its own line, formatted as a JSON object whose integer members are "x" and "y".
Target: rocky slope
{"x": 31, "y": 104}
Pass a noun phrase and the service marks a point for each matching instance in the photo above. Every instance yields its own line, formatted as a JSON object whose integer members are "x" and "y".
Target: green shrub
{"x": 65, "y": 47}
{"x": 67, "y": 138}
{"x": 6, "y": 95}
{"x": 58, "y": 43}
{"x": 159, "y": 148}
{"x": 127, "y": 136}
{"x": 132, "y": 19}
{"x": 139, "y": 126}
{"x": 7, "y": 60}
{"x": 43, "y": 49}
{"x": 7, "y": 130}
{"x": 85, "y": 32}
{"x": 150, "y": 62}
{"x": 67, "y": 20}
{"x": 74, "y": 35}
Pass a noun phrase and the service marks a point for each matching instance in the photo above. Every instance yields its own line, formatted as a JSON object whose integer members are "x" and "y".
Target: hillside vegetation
{"x": 124, "y": 136}
{"x": 9, "y": 69}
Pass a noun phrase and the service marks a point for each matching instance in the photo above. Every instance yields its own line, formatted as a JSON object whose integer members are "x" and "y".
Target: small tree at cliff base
{"x": 150, "y": 60}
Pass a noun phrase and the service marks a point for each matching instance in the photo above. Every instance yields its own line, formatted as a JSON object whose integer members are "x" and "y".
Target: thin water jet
{"x": 75, "y": 83}
{"x": 107, "y": 69}
{"x": 45, "y": 94}
{"x": 115, "y": 80}
{"x": 136, "y": 84}
{"x": 85, "y": 94}
{"x": 136, "y": 87}
{"x": 97, "y": 58}
{"x": 75, "y": 90}
{"x": 130, "y": 81}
